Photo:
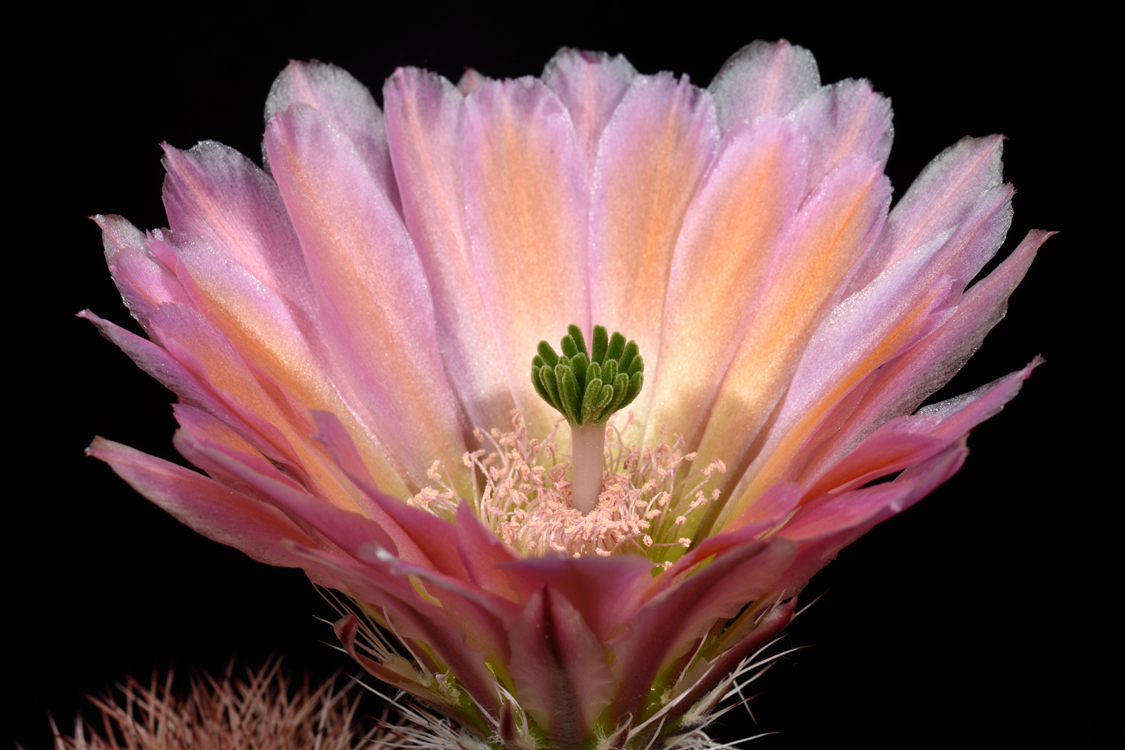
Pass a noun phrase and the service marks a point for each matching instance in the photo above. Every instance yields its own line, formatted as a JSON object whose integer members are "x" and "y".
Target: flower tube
{"x": 356, "y": 333}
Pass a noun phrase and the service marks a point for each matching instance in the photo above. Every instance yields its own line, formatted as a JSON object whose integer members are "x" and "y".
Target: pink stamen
{"x": 526, "y": 498}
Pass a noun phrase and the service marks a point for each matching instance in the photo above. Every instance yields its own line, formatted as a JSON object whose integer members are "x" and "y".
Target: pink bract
{"x": 340, "y": 321}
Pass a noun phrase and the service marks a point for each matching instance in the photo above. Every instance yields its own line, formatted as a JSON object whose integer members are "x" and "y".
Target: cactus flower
{"x": 568, "y": 383}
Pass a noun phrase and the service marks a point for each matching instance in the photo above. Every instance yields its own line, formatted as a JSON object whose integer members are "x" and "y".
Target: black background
{"x": 975, "y": 614}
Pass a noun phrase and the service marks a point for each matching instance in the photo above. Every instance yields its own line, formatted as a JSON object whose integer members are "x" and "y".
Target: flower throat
{"x": 619, "y": 498}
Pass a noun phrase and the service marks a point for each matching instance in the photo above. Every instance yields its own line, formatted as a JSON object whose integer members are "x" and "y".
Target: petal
{"x": 665, "y": 627}
{"x": 281, "y": 424}
{"x": 902, "y": 384}
{"x": 763, "y": 78}
{"x": 938, "y": 200}
{"x": 830, "y": 522}
{"x": 425, "y": 539}
{"x": 905, "y": 303}
{"x": 865, "y": 332}
{"x": 721, "y": 268}
{"x": 482, "y": 554}
{"x": 527, "y": 208}
{"x": 909, "y": 440}
{"x": 219, "y": 200}
{"x": 480, "y": 615}
{"x": 144, "y": 281}
{"x": 767, "y": 511}
{"x": 217, "y": 512}
{"x": 845, "y": 119}
{"x": 808, "y": 419}
{"x": 651, "y": 161}
{"x": 243, "y": 267}
{"x": 590, "y": 85}
{"x": 346, "y": 105}
{"x": 198, "y": 428}
{"x": 485, "y": 618}
{"x": 784, "y": 501}
{"x": 162, "y": 366}
{"x": 438, "y": 645}
{"x": 607, "y": 591}
{"x": 833, "y": 230}
{"x": 343, "y": 530}
{"x": 470, "y": 81}
{"x": 371, "y": 291}
{"x": 223, "y": 388}
{"x": 559, "y": 668}
{"x": 424, "y": 114}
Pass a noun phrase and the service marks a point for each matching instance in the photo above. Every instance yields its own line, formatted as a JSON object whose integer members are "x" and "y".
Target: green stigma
{"x": 588, "y": 388}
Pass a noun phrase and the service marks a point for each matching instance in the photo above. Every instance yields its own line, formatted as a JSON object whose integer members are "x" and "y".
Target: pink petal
{"x": 830, "y": 522}
{"x": 665, "y": 627}
{"x": 425, "y": 539}
{"x": 607, "y": 591}
{"x": 527, "y": 208}
{"x": 832, "y": 231}
{"x": 938, "y": 200}
{"x": 651, "y": 161}
{"x": 482, "y": 554}
{"x": 559, "y": 668}
{"x": 413, "y": 618}
{"x": 240, "y": 262}
{"x": 263, "y": 533}
{"x": 484, "y": 617}
{"x": 282, "y": 425}
{"x": 346, "y": 105}
{"x": 345, "y": 530}
{"x": 727, "y": 248}
{"x": 162, "y": 366}
{"x": 244, "y": 272}
{"x": 372, "y": 295}
{"x": 221, "y": 203}
{"x": 219, "y": 513}
{"x": 763, "y": 78}
{"x": 777, "y": 504}
{"x": 863, "y": 333}
{"x": 901, "y": 384}
{"x": 905, "y": 303}
{"x": 590, "y": 85}
{"x": 243, "y": 268}
{"x": 909, "y": 440}
{"x": 893, "y": 314}
{"x": 198, "y": 428}
{"x": 195, "y": 386}
{"x": 144, "y": 281}
{"x": 768, "y": 510}
{"x": 470, "y": 81}
{"x": 424, "y": 113}
{"x": 844, "y": 119}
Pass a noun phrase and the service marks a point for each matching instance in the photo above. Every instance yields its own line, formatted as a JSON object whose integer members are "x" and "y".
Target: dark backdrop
{"x": 961, "y": 617}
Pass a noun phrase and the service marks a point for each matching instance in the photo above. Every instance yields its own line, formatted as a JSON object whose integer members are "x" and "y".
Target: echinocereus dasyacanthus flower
{"x": 573, "y": 543}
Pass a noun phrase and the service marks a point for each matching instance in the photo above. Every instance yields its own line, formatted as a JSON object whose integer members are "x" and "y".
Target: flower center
{"x": 587, "y": 388}
{"x": 527, "y": 501}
